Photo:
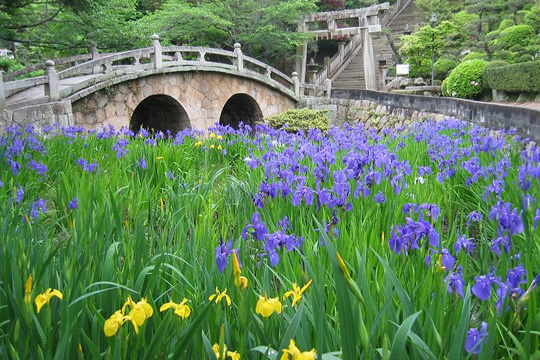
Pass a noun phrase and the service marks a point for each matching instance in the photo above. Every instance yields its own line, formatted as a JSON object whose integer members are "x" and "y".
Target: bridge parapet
{"x": 111, "y": 68}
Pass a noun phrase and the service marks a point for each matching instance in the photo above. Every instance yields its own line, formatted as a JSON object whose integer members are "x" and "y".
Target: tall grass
{"x": 148, "y": 221}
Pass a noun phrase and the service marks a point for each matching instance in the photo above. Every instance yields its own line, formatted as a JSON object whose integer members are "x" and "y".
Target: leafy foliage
{"x": 294, "y": 120}
{"x": 443, "y": 67}
{"x": 465, "y": 81}
{"x": 8, "y": 65}
{"x": 523, "y": 77}
{"x": 474, "y": 55}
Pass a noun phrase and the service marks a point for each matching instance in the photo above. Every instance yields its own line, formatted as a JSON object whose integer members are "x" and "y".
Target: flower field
{"x": 241, "y": 244}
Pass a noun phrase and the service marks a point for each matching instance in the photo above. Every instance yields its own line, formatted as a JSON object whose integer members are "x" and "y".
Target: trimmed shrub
{"x": 522, "y": 35}
{"x": 522, "y": 77}
{"x": 443, "y": 67}
{"x": 494, "y": 64}
{"x": 505, "y": 24}
{"x": 293, "y": 120}
{"x": 474, "y": 55}
{"x": 465, "y": 81}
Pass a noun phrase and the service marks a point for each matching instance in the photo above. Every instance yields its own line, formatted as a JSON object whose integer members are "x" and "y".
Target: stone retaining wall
{"x": 369, "y": 113}
{"x": 39, "y": 115}
{"x": 379, "y": 109}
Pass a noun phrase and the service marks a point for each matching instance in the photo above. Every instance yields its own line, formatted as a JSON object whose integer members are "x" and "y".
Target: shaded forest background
{"x": 36, "y": 30}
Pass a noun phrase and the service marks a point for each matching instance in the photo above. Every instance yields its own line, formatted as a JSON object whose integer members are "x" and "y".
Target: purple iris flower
{"x": 142, "y": 163}
{"x": 380, "y": 198}
{"x": 509, "y": 220}
{"x": 463, "y": 243}
{"x": 432, "y": 210}
{"x": 497, "y": 187}
{"x": 474, "y": 216}
{"x": 447, "y": 260}
{"x": 39, "y": 168}
{"x": 501, "y": 293}
{"x": 501, "y": 240}
{"x": 74, "y": 203}
{"x": 296, "y": 198}
{"x": 455, "y": 282}
{"x": 536, "y": 218}
{"x": 87, "y": 166}
{"x": 482, "y": 287}
{"x": 422, "y": 170}
{"x": 514, "y": 278}
{"x": 373, "y": 177}
{"x": 309, "y": 195}
{"x": 222, "y": 252}
{"x": 528, "y": 200}
{"x": 475, "y": 339}
{"x": 38, "y": 205}
{"x": 20, "y": 194}
{"x": 259, "y": 230}
{"x": 120, "y": 147}
{"x": 408, "y": 207}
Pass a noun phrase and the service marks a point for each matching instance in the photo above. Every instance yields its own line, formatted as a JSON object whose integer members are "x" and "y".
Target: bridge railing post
{"x": 157, "y": 57}
{"x": 52, "y": 89}
{"x": 95, "y": 55}
{"x": 239, "y": 57}
{"x": 2, "y": 93}
{"x": 296, "y": 82}
{"x": 328, "y": 87}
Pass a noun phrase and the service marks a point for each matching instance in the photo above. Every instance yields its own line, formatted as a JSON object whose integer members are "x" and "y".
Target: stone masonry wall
{"x": 369, "y": 113}
{"x": 38, "y": 115}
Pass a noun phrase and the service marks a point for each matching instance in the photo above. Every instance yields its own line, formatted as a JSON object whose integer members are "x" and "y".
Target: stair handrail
{"x": 328, "y": 71}
{"x": 389, "y": 16}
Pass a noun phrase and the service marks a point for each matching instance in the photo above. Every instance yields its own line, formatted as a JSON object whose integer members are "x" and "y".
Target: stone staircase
{"x": 405, "y": 13}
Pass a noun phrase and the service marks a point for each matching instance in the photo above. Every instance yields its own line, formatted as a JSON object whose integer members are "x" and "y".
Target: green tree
{"x": 416, "y": 48}
{"x": 267, "y": 30}
{"x": 65, "y": 30}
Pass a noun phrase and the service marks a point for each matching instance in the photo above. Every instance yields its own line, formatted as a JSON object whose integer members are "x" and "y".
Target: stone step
{"x": 353, "y": 76}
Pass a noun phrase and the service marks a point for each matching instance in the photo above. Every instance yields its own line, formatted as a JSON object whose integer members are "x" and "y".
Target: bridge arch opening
{"x": 240, "y": 108}
{"x": 160, "y": 113}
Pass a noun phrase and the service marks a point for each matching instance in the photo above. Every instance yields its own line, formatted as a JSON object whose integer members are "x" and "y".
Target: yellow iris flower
{"x": 138, "y": 314}
{"x": 219, "y": 296}
{"x": 239, "y": 280}
{"x": 139, "y": 311}
{"x": 296, "y": 292}
{"x": 113, "y": 323}
{"x": 44, "y": 298}
{"x": 28, "y": 290}
{"x": 439, "y": 265}
{"x": 232, "y": 354}
{"x": 181, "y": 309}
{"x": 294, "y": 353}
{"x": 267, "y": 307}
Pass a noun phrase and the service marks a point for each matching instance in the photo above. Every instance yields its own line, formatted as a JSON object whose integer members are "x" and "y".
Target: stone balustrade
{"x": 154, "y": 58}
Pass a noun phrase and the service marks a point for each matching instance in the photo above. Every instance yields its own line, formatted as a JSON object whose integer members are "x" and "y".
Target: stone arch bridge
{"x": 160, "y": 88}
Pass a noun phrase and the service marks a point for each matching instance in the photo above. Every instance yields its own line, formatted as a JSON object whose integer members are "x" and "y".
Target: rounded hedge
{"x": 465, "y": 81}
{"x": 294, "y": 120}
{"x": 443, "y": 67}
{"x": 521, "y": 35}
{"x": 522, "y": 77}
{"x": 474, "y": 55}
{"x": 505, "y": 24}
